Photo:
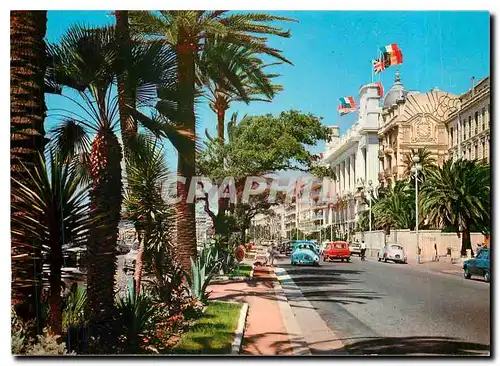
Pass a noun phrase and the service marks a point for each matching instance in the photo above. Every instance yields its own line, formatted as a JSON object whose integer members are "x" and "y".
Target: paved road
{"x": 386, "y": 308}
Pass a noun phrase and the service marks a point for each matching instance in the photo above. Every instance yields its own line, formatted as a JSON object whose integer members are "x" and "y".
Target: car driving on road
{"x": 337, "y": 250}
{"x": 305, "y": 253}
{"x": 479, "y": 266}
{"x": 392, "y": 252}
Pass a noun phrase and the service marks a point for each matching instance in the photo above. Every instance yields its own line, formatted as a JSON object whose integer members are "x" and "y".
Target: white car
{"x": 392, "y": 252}
{"x": 323, "y": 246}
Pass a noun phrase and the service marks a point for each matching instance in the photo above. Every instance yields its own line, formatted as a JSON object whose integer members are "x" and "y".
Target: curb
{"x": 297, "y": 340}
{"x": 240, "y": 330}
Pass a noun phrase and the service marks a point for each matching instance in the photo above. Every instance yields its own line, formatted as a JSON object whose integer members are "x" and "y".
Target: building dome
{"x": 396, "y": 93}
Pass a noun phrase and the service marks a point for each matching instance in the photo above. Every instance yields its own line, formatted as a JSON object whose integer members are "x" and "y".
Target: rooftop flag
{"x": 347, "y": 102}
{"x": 393, "y": 47}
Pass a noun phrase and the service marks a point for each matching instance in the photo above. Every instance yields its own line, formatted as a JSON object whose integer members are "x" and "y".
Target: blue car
{"x": 479, "y": 266}
{"x": 305, "y": 253}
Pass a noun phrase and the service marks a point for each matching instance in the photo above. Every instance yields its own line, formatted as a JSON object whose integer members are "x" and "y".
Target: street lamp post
{"x": 415, "y": 169}
{"x": 369, "y": 189}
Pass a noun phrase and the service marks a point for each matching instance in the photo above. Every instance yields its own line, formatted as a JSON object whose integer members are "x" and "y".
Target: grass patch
{"x": 243, "y": 271}
{"x": 213, "y": 333}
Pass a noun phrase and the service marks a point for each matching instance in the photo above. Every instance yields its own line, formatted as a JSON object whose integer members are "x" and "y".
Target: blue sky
{"x": 332, "y": 53}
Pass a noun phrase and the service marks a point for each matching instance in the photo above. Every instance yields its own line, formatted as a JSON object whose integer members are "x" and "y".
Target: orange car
{"x": 337, "y": 250}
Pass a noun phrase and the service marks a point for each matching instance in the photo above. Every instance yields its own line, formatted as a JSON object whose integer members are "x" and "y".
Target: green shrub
{"x": 202, "y": 271}
{"x": 137, "y": 317}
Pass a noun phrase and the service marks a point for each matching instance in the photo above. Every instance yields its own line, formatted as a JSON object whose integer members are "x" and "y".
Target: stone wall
{"x": 407, "y": 239}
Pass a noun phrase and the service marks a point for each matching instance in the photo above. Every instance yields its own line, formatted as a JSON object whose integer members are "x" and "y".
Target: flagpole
{"x": 380, "y": 58}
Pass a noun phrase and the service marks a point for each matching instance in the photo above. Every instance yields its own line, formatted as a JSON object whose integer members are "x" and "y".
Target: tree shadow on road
{"x": 431, "y": 346}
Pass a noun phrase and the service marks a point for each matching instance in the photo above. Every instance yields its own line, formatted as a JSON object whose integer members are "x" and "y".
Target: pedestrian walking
{"x": 270, "y": 255}
{"x": 363, "y": 250}
{"x": 436, "y": 257}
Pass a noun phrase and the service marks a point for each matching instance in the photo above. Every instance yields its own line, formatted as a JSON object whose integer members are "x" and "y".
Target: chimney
{"x": 473, "y": 80}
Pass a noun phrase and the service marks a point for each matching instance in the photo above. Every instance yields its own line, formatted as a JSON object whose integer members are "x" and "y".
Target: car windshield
{"x": 397, "y": 247}
{"x": 339, "y": 245}
{"x": 484, "y": 254}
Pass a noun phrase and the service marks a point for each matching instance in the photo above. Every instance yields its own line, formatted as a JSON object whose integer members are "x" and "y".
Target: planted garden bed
{"x": 213, "y": 333}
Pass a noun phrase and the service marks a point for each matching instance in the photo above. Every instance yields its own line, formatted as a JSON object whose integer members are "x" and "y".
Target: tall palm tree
{"x": 233, "y": 73}
{"x": 458, "y": 194}
{"x": 126, "y": 92}
{"x": 427, "y": 161}
{"x": 86, "y": 60}
{"x": 187, "y": 31}
{"x": 144, "y": 203}
{"x": 27, "y": 107}
{"x": 55, "y": 207}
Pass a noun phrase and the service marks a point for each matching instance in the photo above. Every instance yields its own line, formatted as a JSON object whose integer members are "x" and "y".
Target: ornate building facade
{"x": 468, "y": 125}
{"x": 411, "y": 120}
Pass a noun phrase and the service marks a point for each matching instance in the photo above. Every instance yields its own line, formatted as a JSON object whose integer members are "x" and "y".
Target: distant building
{"x": 468, "y": 126}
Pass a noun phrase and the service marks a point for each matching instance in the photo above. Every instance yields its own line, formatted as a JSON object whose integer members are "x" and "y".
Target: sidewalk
{"x": 443, "y": 267}
{"x": 265, "y": 333}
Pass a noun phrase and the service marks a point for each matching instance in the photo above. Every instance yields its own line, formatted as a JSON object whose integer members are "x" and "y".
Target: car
{"x": 310, "y": 244}
{"x": 392, "y": 252}
{"x": 304, "y": 253}
{"x": 479, "y": 266}
{"x": 337, "y": 250}
{"x": 355, "y": 248}
{"x": 284, "y": 247}
{"x": 323, "y": 246}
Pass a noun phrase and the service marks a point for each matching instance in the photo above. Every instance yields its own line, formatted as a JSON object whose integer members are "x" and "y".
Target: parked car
{"x": 337, "y": 250}
{"x": 392, "y": 252}
{"x": 284, "y": 247}
{"x": 323, "y": 246}
{"x": 355, "y": 248}
{"x": 305, "y": 253}
{"x": 479, "y": 266}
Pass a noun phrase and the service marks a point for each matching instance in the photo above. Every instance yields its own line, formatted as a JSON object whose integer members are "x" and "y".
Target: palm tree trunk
{"x": 126, "y": 96}
{"x": 220, "y": 124}
{"x": 139, "y": 267}
{"x": 106, "y": 200}
{"x": 27, "y": 106}
{"x": 186, "y": 220}
{"x": 466, "y": 244}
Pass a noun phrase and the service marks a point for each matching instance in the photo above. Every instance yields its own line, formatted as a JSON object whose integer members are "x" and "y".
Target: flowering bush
{"x": 192, "y": 308}
{"x": 249, "y": 246}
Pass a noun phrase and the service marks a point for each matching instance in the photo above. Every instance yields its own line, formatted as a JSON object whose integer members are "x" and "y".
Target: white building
{"x": 354, "y": 158}
{"x": 469, "y": 125}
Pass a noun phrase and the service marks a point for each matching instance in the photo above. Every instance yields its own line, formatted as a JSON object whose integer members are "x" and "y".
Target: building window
{"x": 489, "y": 117}
{"x": 475, "y": 152}
{"x": 451, "y": 136}
{"x": 470, "y": 125}
{"x": 469, "y": 157}
{"x": 484, "y": 150}
{"x": 483, "y": 117}
{"x": 476, "y": 118}
{"x": 463, "y": 130}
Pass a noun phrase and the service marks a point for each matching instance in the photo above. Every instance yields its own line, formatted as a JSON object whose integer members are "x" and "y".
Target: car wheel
{"x": 487, "y": 276}
{"x": 324, "y": 259}
{"x": 378, "y": 258}
{"x": 467, "y": 275}
{"x": 385, "y": 260}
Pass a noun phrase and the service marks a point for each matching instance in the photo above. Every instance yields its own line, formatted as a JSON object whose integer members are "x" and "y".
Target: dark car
{"x": 479, "y": 266}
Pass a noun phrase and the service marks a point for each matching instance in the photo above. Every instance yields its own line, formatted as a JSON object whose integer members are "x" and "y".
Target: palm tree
{"x": 458, "y": 194}
{"x": 144, "y": 203}
{"x": 427, "y": 161}
{"x": 232, "y": 73}
{"x": 86, "y": 60}
{"x": 54, "y": 203}
{"x": 27, "y": 107}
{"x": 187, "y": 31}
{"x": 396, "y": 208}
